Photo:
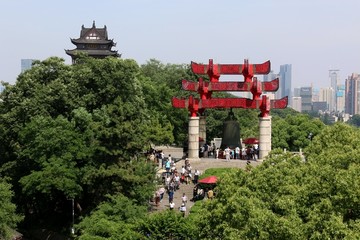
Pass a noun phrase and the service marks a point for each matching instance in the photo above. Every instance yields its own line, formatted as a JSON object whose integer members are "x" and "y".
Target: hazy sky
{"x": 312, "y": 35}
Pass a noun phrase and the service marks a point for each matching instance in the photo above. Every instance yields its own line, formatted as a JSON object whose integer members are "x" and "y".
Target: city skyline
{"x": 312, "y": 36}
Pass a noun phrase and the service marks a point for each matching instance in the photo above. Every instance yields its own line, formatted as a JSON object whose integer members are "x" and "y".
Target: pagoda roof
{"x": 97, "y": 41}
{"x": 94, "y": 52}
{"x": 93, "y": 35}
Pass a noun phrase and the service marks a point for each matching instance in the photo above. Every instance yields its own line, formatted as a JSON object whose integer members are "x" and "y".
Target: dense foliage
{"x": 78, "y": 133}
{"x": 8, "y": 216}
{"x": 289, "y": 198}
{"x": 294, "y": 131}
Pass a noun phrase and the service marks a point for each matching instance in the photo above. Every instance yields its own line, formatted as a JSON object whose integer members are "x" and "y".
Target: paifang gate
{"x": 197, "y": 105}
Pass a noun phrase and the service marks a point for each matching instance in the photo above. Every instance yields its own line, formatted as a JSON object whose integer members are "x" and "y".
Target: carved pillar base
{"x": 265, "y": 136}
{"x": 193, "y": 138}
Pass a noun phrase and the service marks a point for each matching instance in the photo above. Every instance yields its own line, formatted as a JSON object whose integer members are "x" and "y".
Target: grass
{"x": 216, "y": 172}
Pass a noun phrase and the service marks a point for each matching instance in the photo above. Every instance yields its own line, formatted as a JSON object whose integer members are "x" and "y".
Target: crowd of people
{"x": 173, "y": 178}
{"x": 250, "y": 152}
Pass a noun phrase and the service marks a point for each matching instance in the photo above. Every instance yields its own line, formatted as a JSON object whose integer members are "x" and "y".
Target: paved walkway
{"x": 201, "y": 165}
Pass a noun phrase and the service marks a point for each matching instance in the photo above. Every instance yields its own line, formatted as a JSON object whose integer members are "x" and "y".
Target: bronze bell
{"x": 231, "y": 132}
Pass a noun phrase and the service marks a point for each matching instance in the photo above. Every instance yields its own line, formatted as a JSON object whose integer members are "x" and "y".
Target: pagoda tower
{"x": 94, "y": 42}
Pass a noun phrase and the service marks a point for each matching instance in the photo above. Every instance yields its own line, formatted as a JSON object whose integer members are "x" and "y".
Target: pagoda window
{"x": 92, "y": 46}
{"x": 92, "y": 36}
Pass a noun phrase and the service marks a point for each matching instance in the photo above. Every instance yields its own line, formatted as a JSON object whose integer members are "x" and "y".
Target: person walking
{"x": 183, "y": 209}
{"x": 184, "y": 198}
{"x": 172, "y": 205}
{"x": 237, "y": 152}
{"x": 227, "y": 154}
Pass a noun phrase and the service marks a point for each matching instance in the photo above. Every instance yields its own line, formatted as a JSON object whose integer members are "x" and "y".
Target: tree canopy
{"x": 79, "y": 132}
{"x": 289, "y": 198}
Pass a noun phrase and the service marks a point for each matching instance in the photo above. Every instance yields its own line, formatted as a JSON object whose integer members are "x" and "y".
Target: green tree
{"x": 8, "y": 216}
{"x": 355, "y": 120}
{"x": 289, "y": 198}
{"x": 115, "y": 218}
{"x": 293, "y": 132}
{"x": 78, "y": 131}
{"x": 167, "y": 225}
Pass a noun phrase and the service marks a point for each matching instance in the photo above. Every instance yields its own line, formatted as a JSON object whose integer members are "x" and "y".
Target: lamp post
{"x": 73, "y": 217}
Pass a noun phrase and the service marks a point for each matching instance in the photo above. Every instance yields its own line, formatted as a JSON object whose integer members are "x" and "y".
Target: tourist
{"x": 237, "y": 152}
{"x": 184, "y": 198}
{"x": 171, "y": 195}
{"x": 168, "y": 164}
{"x": 243, "y": 153}
{"x": 172, "y": 205}
{"x": 196, "y": 176}
{"x": 157, "y": 198}
{"x": 227, "y": 154}
{"x": 162, "y": 192}
{"x": 183, "y": 209}
{"x": 210, "y": 194}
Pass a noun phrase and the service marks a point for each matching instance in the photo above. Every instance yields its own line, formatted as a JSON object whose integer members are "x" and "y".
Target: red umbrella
{"x": 208, "y": 180}
{"x": 251, "y": 141}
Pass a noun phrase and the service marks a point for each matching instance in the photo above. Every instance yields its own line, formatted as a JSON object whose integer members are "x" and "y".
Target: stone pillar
{"x": 202, "y": 128}
{"x": 193, "y": 138}
{"x": 265, "y": 136}
{"x": 202, "y": 134}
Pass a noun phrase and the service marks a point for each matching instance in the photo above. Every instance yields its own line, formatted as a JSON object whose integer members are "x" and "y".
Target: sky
{"x": 313, "y": 36}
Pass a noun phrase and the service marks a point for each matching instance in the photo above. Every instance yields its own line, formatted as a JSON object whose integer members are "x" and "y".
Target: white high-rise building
{"x": 327, "y": 95}
{"x": 296, "y": 104}
{"x": 335, "y": 81}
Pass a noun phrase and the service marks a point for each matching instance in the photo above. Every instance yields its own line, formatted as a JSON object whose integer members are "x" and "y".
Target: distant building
{"x": 315, "y": 94}
{"x": 94, "y": 42}
{"x": 352, "y": 94}
{"x": 340, "y": 98}
{"x": 1, "y": 88}
{"x": 319, "y": 106}
{"x": 26, "y": 64}
{"x": 335, "y": 81}
{"x": 285, "y": 81}
{"x": 306, "y": 99}
{"x": 296, "y": 92}
{"x": 326, "y": 95}
{"x": 271, "y": 76}
{"x": 296, "y": 103}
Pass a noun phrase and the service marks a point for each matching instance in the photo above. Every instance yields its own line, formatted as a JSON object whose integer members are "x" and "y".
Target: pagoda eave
{"x": 92, "y": 41}
{"x": 93, "y": 53}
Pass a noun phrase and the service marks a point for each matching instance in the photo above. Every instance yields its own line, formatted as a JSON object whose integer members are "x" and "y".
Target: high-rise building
{"x": 327, "y": 95}
{"x": 26, "y": 64}
{"x": 296, "y": 104}
{"x": 335, "y": 81}
{"x": 352, "y": 94}
{"x": 285, "y": 81}
{"x": 340, "y": 98}
{"x": 296, "y": 92}
{"x": 306, "y": 99}
{"x": 315, "y": 94}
